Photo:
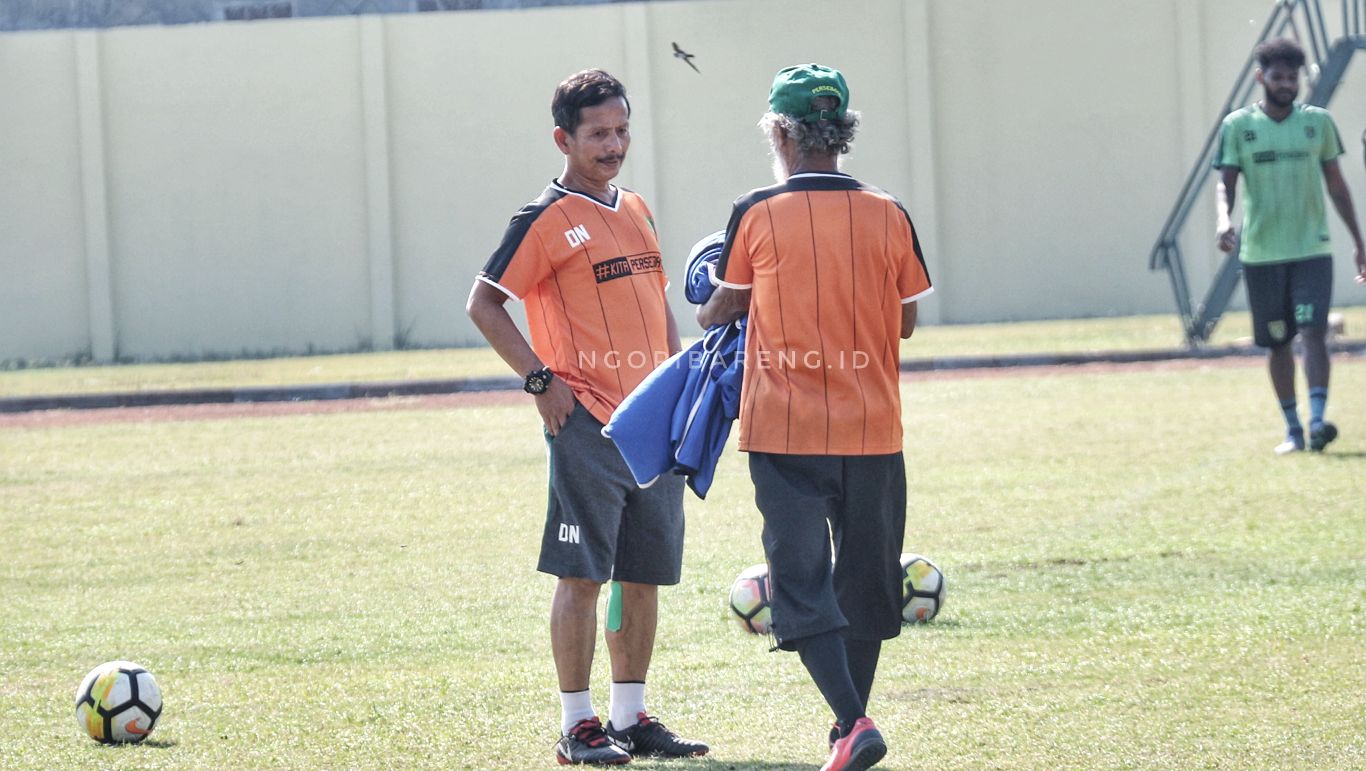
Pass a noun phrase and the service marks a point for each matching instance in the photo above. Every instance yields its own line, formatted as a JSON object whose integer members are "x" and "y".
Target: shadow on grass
{"x": 159, "y": 744}
{"x": 718, "y": 764}
{"x": 1355, "y": 455}
{"x": 711, "y": 763}
{"x": 932, "y": 624}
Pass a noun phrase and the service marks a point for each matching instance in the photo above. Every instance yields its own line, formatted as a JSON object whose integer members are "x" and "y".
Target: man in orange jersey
{"x": 829, "y": 271}
{"x": 585, "y": 259}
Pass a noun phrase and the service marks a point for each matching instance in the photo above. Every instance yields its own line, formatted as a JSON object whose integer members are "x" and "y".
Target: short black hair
{"x": 588, "y": 88}
{"x": 1281, "y": 50}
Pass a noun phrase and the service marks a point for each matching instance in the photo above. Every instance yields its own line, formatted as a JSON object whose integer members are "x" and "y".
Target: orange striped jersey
{"x": 593, "y": 283}
{"x": 830, "y": 261}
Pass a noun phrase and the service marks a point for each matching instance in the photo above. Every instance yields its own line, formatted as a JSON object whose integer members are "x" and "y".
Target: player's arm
{"x": 486, "y": 309}
{"x": 1225, "y": 191}
{"x": 1342, "y": 201}
{"x": 908, "y": 313}
{"x": 726, "y": 305}
{"x": 675, "y": 344}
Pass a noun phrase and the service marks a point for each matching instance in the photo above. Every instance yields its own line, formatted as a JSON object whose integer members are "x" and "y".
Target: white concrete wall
{"x": 470, "y": 142}
{"x": 334, "y": 183}
{"x": 42, "y": 256}
{"x": 236, "y": 187}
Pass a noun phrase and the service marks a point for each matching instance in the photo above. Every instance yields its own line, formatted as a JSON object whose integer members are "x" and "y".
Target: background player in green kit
{"x": 1288, "y": 154}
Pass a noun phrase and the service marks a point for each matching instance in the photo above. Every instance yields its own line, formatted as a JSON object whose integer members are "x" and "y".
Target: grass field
{"x": 1134, "y": 581}
{"x": 1073, "y": 336}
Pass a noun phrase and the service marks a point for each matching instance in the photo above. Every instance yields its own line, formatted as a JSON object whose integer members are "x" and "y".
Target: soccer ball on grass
{"x": 750, "y": 598}
{"x": 922, "y": 594}
{"x": 118, "y": 702}
{"x": 922, "y": 589}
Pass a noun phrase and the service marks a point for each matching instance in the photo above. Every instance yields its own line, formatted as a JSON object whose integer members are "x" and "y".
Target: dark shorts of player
{"x": 599, "y": 524}
{"x": 1285, "y": 296}
{"x": 858, "y": 502}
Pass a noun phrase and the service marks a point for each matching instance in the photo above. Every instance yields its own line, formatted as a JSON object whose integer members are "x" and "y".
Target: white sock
{"x": 628, "y": 701}
{"x": 574, "y": 706}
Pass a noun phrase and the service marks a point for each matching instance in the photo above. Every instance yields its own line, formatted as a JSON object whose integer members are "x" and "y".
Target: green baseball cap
{"x": 794, "y": 87}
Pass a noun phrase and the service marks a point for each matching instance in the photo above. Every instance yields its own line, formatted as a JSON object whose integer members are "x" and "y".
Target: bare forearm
{"x": 908, "y": 317}
{"x": 1225, "y": 234}
{"x": 1342, "y": 201}
{"x": 726, "y": 305}
{"x": 1223, "y": 207}
{"x": 501, "y": 332}
{"x": 675, "y": 344}
{"x": 1225, "y": 192}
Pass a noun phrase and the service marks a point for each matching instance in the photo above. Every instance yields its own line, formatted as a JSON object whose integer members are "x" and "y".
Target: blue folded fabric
{"x": 679, "y": 418}
{"x": 708, "y": 405}
{"x": 701, "y": 263}
{"x": 638, "y": 424}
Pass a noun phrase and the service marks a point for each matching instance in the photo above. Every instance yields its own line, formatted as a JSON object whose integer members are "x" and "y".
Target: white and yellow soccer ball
{"x": 922, "y": 589}
{"x": 118, "y": 702}
{"x": 750, "y": 599}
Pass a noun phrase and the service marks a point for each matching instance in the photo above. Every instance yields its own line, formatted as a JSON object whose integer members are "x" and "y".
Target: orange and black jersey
{"x": 830, "y": 261}
{"x": 593, "y": 282}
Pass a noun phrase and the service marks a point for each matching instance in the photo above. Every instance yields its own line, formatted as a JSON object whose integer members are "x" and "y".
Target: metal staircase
{"x": 1328, "y": 60}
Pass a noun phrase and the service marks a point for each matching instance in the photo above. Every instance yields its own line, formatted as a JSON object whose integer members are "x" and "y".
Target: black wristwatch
{"x": 538, "y": 381}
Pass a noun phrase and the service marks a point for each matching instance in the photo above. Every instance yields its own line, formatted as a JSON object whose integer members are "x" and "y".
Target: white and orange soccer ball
{"x": 750, "y": 598}
{"x": 922, "y": 589}
{"x": 118, "y": 702}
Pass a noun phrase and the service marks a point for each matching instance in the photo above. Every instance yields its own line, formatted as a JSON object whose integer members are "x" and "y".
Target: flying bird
{"x": 679, "y": 53}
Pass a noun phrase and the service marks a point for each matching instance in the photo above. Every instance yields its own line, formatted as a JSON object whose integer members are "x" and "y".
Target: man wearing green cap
{"x": 829, "y": 270}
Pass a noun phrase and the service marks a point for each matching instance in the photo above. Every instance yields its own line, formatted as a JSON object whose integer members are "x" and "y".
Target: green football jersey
{"x": 1284, "y": 217}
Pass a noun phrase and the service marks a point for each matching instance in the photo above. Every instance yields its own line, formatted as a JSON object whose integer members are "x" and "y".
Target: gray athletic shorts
{"x": 857, "y": 503}
{"x": 599, "y": 524}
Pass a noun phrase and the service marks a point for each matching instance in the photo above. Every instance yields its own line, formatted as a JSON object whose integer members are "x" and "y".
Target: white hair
{"x": 824, "y": 137}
